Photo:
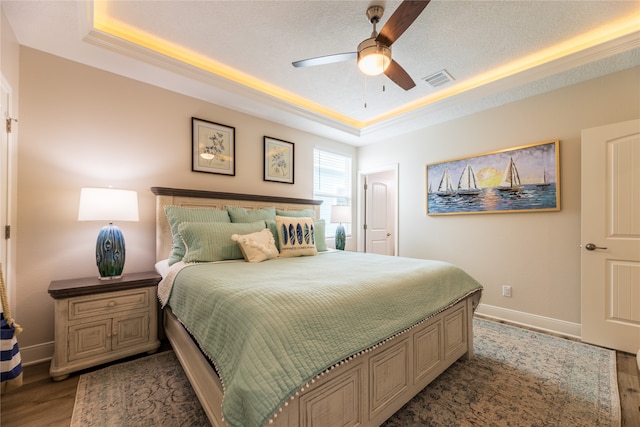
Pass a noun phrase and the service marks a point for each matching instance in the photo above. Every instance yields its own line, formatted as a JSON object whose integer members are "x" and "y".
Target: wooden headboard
{"x": 212, "y": 199}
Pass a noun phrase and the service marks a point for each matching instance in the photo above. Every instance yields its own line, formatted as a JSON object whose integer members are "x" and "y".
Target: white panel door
{"x": 6, "y": 155}
{"x": 380, "y": 213}
{"x": 4, "y": 176}
{"x": 610, "y": 235}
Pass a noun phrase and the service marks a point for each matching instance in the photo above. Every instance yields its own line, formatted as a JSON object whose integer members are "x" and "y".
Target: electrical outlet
{"x": 506, "y": 291}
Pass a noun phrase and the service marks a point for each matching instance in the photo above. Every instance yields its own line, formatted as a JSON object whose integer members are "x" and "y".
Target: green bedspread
{"x": 273, "y": 326}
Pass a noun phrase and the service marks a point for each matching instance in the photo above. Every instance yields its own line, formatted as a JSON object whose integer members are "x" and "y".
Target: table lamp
{"x": 340, "y": 214}
{"x": 109, "y": 204}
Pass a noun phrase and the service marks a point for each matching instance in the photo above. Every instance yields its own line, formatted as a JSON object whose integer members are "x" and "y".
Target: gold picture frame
{"x": 520, "y": 179}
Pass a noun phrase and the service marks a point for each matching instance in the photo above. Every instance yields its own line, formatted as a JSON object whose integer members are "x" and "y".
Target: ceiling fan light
{"x": 373, "y": 57}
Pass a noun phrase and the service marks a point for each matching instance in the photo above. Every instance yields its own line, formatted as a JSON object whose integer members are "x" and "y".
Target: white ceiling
{"x": 497, "y": 52}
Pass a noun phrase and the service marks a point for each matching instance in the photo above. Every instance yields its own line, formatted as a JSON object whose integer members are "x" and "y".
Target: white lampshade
{"x": 108, "y": 204}
{"x": 340, "y": 214}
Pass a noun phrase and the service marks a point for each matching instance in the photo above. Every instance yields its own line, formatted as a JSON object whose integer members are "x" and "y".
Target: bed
{"x": 345, "y": 359}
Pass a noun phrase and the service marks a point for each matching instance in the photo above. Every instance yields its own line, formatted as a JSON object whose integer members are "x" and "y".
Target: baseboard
{"x": 36, "y": 353}
{"x": 547, "y": 324}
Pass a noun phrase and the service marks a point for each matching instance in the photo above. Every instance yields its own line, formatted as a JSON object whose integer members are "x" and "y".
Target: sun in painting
{"x": 489, "y": 177}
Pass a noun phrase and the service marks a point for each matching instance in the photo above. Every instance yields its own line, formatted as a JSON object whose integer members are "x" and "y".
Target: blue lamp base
{"x": 110, "y": 252}
{"x": 340, "y": 237}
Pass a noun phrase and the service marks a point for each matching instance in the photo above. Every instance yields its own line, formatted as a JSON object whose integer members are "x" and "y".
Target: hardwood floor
{"x": 629, "y": 388}
{"x": 41, "y": 402}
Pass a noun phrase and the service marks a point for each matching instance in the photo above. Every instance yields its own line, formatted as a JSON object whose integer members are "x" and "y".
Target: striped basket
{"x": 10, "y": 362}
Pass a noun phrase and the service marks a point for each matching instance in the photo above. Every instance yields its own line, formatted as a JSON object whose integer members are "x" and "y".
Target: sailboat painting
{"x": 445, "y": 188}
{"x": 520, "y": 179}
{"x": 544, "y": 182}
{"x": 468, "y": 184}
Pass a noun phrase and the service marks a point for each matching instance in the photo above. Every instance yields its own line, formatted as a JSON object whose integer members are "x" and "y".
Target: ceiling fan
{"x": 374, "y": 54}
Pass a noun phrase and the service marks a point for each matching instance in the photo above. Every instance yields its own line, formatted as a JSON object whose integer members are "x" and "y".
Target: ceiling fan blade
{"x": 401, "y": 19}
{"x": 399, "y": 76}
{"x": 328, "y": 59}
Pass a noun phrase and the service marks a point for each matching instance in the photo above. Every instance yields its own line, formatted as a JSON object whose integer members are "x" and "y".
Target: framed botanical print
{"x": 278, "y": 160}
{"x": 213, "y": 147}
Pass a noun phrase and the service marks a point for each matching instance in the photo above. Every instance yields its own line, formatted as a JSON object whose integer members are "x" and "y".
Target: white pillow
{"x": 162, "y": 267}
{"x": 257, "y": 247}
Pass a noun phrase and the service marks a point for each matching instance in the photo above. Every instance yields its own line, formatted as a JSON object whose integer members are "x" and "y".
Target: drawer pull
{"x": 112, "y": 303}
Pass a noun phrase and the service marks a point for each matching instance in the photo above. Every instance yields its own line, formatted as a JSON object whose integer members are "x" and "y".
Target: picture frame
{"x": 213, "y": 147}
{"x": 279, "y": 158}
{"x": 519, "y": 179}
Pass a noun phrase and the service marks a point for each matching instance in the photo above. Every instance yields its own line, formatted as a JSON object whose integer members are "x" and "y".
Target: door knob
{"x": 592, "y": 247}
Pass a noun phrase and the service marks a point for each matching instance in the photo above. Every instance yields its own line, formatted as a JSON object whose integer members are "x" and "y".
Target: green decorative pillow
{"x": 178, "y": 214}
{"x": 257, "y": 247}
{"x": 296, "y": 236}
{"x": 320, "y": 238}
{"x": 211, "y": 241}
{"x": 250, "y": 215}
{"x": 302, "y": 213}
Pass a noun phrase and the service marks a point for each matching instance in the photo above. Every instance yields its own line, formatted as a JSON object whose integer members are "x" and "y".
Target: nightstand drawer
{"x": 112, "y": 302}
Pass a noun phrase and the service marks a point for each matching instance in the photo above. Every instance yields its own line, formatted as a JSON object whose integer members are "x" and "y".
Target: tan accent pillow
{"x": 296, "y": 236}
{"x": 257, "y": 247}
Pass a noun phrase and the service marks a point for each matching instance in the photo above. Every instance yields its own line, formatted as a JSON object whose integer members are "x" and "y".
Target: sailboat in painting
{"x": 468, "y": 185}
{"x": 544, "y": 182}
{"x": 511, "y": 178}
{"x": 445, "y": 189}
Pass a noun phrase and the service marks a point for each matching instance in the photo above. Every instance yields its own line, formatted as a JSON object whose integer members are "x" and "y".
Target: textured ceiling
{"x": 238, "y": 54}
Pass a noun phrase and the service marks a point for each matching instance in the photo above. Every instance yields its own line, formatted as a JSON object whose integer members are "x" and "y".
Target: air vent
{"x": 438, "y": 79}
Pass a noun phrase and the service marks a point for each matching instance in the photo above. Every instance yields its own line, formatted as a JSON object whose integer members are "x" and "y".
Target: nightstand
{"x": 98, "y": 321}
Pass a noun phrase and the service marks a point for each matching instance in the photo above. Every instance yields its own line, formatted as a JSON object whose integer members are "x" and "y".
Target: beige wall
{"x": 80, "y": 126}
{"x": 8, "y": 52}
{"x": 536, "y": 253}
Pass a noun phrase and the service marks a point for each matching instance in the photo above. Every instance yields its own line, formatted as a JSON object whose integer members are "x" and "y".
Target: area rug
{"x": 517, "y": 378}
{"x": 520, "y": 378}
{"x": 150, "y": 391}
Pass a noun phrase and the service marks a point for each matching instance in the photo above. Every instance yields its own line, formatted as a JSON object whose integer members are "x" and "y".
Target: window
{"x": 331, "y": 184}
